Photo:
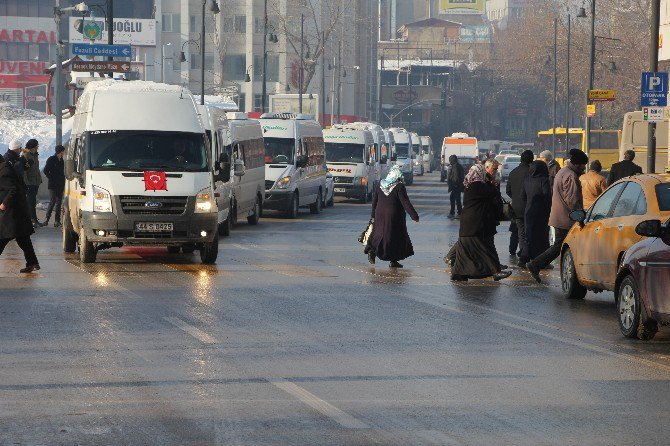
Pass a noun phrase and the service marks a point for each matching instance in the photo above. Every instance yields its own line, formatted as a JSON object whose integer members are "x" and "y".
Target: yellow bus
{"x": 635, "y": 136}
{"x": 604, "y": 144}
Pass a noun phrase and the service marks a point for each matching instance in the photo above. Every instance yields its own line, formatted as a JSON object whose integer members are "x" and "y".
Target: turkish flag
{"x": 155, "y": 181}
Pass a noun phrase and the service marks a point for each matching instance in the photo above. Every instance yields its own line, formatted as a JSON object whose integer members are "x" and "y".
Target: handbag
{"x": 508, "y": 213}
{"x": 363, "y": 238}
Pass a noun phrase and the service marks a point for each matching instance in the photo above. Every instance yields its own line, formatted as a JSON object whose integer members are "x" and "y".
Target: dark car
{"x": 643, "y": 282}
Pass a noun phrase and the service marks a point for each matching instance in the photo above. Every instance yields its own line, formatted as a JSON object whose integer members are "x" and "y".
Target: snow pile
{"x": 133, "y": 87}
{"x": 24, "y": 124}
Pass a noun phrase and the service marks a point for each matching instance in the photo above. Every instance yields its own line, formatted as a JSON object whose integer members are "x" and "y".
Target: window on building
{"x": 258, "y": 99}
{"x": 272, "y": 74}
{"x": 171, "y": 23}
{"x": 209, "y": 61}
{"x": 235, "y": 24}
{"x": 241, "y": 101}
{"x": 234, "y": 67}
{"x": 195, "y": 24}
{"x": 176, "y": 63}
{"x": 258, "y": 25}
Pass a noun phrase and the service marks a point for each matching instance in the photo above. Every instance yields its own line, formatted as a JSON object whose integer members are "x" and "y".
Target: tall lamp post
{"x": 653, "y": 65}
{"x": 592, "y": 61}
{"x": 214, "y": 9}
{"x": 80, "y": 8}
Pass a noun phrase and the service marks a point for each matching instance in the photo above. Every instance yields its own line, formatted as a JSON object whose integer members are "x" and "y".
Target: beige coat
{"x": 566, "y": 197}
{"x": 593, "y": 185}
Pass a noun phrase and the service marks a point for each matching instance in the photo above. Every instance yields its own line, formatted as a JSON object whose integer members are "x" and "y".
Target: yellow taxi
{"x": 594, "y": 247}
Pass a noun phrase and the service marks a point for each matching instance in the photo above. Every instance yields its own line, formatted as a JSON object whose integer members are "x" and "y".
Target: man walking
{"x": 593, "y": 184}
{"x": 624, "y": 168}
{"x": 455, "y": 179}
{"x": 566, "y": 197}
{"x": 553, "y": 166}
{"x": 514, "y": 191}
{"x": 32, "y": 178}
{"x": 14, "y": 214}
{"x": 54, "y": 170}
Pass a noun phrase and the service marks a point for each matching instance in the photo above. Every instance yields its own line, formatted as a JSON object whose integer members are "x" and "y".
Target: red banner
{"x": 155, "y": 181}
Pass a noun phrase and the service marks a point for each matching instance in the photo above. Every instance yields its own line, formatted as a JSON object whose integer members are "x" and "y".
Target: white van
{"x": 237, "y": 148}
{"x": 350, "y": 156}
{"x": 403, "y": 153}
{"x": 138, "y": 171}
{"x": 417, "y": 162}
{"x": 459, "y": 144}
{"x": 634, "y": 136}
{"x": 390, "y": 149}
{"x": 295, "y": 164}
{"x": 381, "y": 149}
{"x": 427, "y": 149}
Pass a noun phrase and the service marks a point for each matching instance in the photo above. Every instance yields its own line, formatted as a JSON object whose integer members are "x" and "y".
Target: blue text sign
{"x": 654, "y": 91}
{"x": 82, "y": 49}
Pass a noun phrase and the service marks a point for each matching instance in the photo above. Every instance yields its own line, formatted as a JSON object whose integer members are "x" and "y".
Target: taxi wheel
{"x": 572, "y": 289}
{"x": 630, "y": 309}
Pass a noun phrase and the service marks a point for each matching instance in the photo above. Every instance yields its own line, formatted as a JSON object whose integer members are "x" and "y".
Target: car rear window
{"x": 663, "y": 195}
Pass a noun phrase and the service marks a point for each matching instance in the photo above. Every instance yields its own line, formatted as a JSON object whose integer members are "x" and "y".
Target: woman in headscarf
{"x": 536, "y": 193}
{"x": 389, "y": 239}
{"x": 474, "y": 256}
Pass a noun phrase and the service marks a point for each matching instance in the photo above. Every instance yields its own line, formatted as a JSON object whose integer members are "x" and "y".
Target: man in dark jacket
{"x": 455, "y": 180}
{"x": 32, "y": 177}
{"x": 566, "y": 197}
{"x": 15, "y": 222}
{"x": 54, "y": 170}
{"x": 624, "y": 168}
{"x": 514, "y": 191}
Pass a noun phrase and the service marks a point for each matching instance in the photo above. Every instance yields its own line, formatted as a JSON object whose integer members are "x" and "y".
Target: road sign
{"x": 82, "y": 49}
{"x": 654, "y": 89}
{"x": 602, "y": 95}
{"x": 591, "y": 110}
{"x": 82, "y": 81}
{"x": 653, "y": 114}
{"x": 102, "y": 66}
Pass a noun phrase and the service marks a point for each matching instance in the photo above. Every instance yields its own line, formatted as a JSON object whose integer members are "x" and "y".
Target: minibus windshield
{"x": 279, "y": 150}
{"x": 147, "y": 150}
{"x": 402, "y": 150}
{"x": 344, "y": 153}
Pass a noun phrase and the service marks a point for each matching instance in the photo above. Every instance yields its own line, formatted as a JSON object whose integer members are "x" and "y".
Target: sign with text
{"x": 103, "y": 66}
{"x": 654, "y": 91}
{"x": 461, "y": 6}
{"x": 81, "y": 49}
{"x": 653, "y": 114}
{"x": 474, "y": 34}
{"x": 141, "y": 32}
{"x": 591, "y": 110}
{"x": 402, "y": 95}
{"x": 602, "y": 95}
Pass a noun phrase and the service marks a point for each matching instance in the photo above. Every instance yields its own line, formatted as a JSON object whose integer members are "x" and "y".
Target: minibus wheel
{"x": 293, "y": 208}
{"x": 69, "y": 236}
{"x": 315, "y": 208}
{"x": 87, "y": 251}
{"x": 210, "y": 251}
{"x": 253, "y": 218}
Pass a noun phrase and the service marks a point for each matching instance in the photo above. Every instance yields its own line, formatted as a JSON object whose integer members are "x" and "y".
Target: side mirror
{"x": 649, "y": 228}
{"x": 69, "y": 169}
{"x": 239, "y": 168}
{"x": 578, "y": 216}
{"x": 301, "y": 161}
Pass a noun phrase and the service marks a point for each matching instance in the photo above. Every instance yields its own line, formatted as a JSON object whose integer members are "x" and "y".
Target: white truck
{"x": 139, "y": 171}
{"x": 464, "y": 147}
{"x": 404, "y": 154}
{"x": 350, "y": 156}
{"x": 295, "y": 163}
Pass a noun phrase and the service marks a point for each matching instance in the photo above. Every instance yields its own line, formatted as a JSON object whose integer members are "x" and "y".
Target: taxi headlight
{"x": 102, "y": 201}
{"x": 283, "y": 183}
{"x": 204, "y": 202}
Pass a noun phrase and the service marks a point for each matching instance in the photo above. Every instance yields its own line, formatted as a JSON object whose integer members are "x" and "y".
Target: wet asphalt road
{"x": 293, "y": 338}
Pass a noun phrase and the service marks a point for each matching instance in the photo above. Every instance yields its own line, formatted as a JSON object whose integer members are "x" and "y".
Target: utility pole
{"x": 58, "y": 77}
{"x": 332, "y": 92}
{"x": 323, "y": 78}
{"x": 379, "y": 90}
{"x": 553, "y": 115}
{"x": 110, "y": 31}
{"x": 202, "y": 56}
{"x": 265, "y": 56}
{"x": 567, "y": 97}
{"x": 339, "y": 81}
{"x": 653, "y": 66}
{"x": 592, "y": 62}
{"x": 302, "y": 60}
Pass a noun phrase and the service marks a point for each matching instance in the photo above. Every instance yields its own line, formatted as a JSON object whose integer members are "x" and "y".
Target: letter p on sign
{"x": 654, "y": 82}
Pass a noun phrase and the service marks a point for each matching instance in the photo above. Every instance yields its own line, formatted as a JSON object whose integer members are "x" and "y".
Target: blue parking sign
{"x": 654, "y": 91}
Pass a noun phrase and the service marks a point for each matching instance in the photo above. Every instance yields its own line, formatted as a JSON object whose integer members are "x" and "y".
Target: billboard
{"x": 139, "y": 32}
{"x": 461, "y": 6}
{"x": 289, "y": 103}
{"x": 399, "y": 96}
{"x": 474, "y": 34}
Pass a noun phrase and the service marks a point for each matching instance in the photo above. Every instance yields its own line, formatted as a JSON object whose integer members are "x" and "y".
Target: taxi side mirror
{"x": 649, "y": 228}
{"x": 578, "y": 216}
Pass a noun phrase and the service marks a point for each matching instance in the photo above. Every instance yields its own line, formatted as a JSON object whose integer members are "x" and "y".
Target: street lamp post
{"x": 214, "y": 9}
{"x": 302, "y": 60}
{"x": 592, "y": 61}
{"x": 567, "y": 95}
{"x": 553, "y": 115}
{"x": 653, "y": 65}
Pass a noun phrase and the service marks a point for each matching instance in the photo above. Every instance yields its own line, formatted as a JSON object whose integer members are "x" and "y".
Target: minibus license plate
{"x": 153, "y": 227}
{"x": 339, "y": 190}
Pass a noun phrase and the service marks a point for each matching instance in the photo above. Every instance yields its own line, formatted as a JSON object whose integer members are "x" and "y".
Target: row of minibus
{"x": 147, "y": 165}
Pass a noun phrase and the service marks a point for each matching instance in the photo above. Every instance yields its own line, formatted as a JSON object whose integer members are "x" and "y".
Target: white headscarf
{"x": 393, "y": 178}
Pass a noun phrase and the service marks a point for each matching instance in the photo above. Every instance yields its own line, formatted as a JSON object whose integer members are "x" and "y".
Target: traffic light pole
{"x": 653, "y": 65}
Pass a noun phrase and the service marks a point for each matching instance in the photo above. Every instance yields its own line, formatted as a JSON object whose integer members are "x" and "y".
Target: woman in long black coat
{"x": 474, "y": 256}
{"x": 15, "y": 222}
{"x": 537, "y": 194}
{"x": 389, "y": 239}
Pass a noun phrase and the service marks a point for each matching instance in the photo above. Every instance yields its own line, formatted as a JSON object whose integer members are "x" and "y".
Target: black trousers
{"x": 554, "y": 250}
{"x": 455, "y": 199}
{"x": 523, "y": 243}
{"x": 31, "y": 194}
{"x": 26, "y": 246}
{"x": 56, "y": 203}
{"x": 513, "y": 237}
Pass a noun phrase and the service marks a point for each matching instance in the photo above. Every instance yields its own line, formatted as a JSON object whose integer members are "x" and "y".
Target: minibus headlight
{"x": 102, "y": 201}
{"x": 283, "y": 183}
{"x": 204, "y": 202}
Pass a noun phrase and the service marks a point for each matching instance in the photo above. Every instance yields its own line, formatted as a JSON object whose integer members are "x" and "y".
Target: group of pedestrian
{"x": 20, "y": 179}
